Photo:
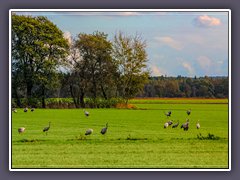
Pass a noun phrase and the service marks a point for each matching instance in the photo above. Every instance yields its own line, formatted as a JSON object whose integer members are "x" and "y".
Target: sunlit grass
{"x": 135, "y": 138}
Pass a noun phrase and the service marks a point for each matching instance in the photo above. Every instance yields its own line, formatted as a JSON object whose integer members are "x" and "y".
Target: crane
{"x": 46, "y": 128}
{"x": 198, "y": 125}
{"x": 21, "y": 130}
{"x": 185, "y": 126}
{"x": 168, "y": 114}
{"x": 176, "y": 125}
{"x": 89, "y": 131}
{"x": 166, "y": 125}
{"x": 86, "y": 113}
{"x": 104, "y": 130}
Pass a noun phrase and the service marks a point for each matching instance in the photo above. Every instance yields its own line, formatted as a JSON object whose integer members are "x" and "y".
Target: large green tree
{"x": 130, "y": 54}
{"x": 38, "y": 49}
{"x": 95, "y": 66}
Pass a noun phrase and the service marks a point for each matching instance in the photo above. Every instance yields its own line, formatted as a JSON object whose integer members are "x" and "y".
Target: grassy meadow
{"x": 135, "y": 137}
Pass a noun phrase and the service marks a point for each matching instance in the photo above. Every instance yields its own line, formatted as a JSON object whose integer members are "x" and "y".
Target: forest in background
{"x": 90, "y": 69}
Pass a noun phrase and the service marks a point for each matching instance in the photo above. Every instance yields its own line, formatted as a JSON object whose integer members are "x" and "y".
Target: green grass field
{"x": 135, "y": 138}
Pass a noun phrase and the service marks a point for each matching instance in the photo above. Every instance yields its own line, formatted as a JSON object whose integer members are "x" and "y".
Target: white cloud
{"x": 204, "y": 62}
{"x": 67, "y": 35}
{"x": 128, "y": 13}
{"x": 169, "y": 41}
{"x": 104, "y": 13}
{"x": 189, "y": 68}
{"x": 207, "y": 21}
{"x": 156, "y": 71}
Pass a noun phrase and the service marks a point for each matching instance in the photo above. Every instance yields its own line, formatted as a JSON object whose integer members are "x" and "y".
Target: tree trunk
{"x": 29, "y": 91}
{"x": 82, "y": 103}
{"x": 104, "y": 93}
{"x": 43, "y": 102}
{"x": 17, "y": 97}
{"x": 43, "y": 97}
{"x": 72, "y": 94}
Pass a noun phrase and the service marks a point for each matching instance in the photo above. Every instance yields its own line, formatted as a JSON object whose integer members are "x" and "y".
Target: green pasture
{"x": 135, "y": 138}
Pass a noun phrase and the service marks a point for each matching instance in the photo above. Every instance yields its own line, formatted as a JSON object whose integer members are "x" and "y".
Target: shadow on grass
{"x": 208, "y": 137}
{"x": 29, "y": 140}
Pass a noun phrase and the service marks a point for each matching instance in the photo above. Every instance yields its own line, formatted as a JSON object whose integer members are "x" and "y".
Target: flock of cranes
{"x": 46, "y": 129}
{"x": 184, "y": 126}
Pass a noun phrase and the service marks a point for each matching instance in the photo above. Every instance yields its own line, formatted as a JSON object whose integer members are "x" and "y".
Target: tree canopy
{"x": 38, "y": 49}
{"x": 97, "y": 67}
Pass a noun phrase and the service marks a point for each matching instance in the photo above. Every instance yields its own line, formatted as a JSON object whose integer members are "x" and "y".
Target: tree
{"x": 38, "y": 49}
{"x": 131, "y": 57}
{"x": 95, "y": 65}
{"x": 171, "y": 88}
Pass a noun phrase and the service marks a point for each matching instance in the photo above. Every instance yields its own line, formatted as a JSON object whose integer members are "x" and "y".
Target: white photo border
{"x": 120, "y": 10}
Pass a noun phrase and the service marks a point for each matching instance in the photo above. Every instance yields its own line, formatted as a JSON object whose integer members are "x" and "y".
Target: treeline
{"x": 204, "y": 87}
{"x": 91, "y": 69}
{"x": 46, "y": 64}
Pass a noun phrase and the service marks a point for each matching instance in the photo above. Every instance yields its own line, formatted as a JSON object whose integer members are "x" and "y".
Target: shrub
{"x": 208, "y": 137}
{"x": 67, "y": 103}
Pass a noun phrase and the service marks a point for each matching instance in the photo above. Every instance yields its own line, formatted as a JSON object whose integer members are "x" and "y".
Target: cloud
{"x": 189, "y": 68}
{"x": 104, "y": 13}
{"x": 128, "y": 13}
{"x": 92, "y": 13}
{"x": 156, "y": 71}
{"x": 170, "y": 42}
{"x": 204, "y": 62}
{"x": 67, "y": 35}
{"x": 206, "y": 21}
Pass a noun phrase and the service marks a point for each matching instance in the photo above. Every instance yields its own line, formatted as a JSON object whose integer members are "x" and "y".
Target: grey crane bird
{"x": 25, "y": 109}
{"x": 86, "y": 113}
{"x": 188, "y": 112}
{"x": 104, "y": 130}
{"x": 21, "y": 130}
{"x": 176, "y": 125}
{"x": 47, "y": 128}
{"x": 166, "y": 125}
{"x": 168, "y": 114}
{"x": 170, "y": 123}
{"x": 88, "y": 132}
{"x": 185, "y": 126}
{"x": 198, "y": 125}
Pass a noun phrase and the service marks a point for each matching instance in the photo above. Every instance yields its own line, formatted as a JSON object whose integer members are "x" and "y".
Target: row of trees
{"x": 45, "y": 63}
{"x": 207, "y": 87}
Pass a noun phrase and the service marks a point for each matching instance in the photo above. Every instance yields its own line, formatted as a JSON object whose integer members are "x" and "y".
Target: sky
{"x": 178, "y": 43}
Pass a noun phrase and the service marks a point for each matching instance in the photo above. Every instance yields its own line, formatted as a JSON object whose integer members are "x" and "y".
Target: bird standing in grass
{"x": 89, "y": 131}
{"x": 168, "y": 114}
{"x": 185, "y": 126}
{"x": 166, "y": 125}
{"x": 170, "y": 123}
{"x": 198, "y": 125}
{"x": 21, "y": 130}
{"x": 86, "y": 113}
{"x": 25, "y": 109}
{"x": 32, "y": 109}
{"x": 176, "y": 125}
{"x": 104, "y": 130}
{"x": 46, "y": 128}
{"x": 188, "y": 112}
